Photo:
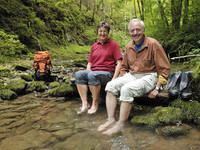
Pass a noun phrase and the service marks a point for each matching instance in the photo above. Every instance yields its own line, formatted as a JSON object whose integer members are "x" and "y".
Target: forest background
{"x": 65, "y": 27}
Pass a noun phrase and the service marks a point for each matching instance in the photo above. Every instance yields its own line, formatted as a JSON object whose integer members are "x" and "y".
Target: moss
{"x": 54, "y": 85}
{"x": 68, "y": 81}
{"x": 190, "y": 110}
{"x": 17, "y": 85}
{"x": 37, "y": 86}
{"x": 7, "y": 94}
{"x": 26, "y": 77}
{"x": 5, "y": 72}
{"x": 148, "y": 120}
{"x": 169, "y": 115}
{"x": 21, "y": 67}
{"x": 160, "y": 116}
{"x": 175, "y": 130}
{"x": 62, "y": 90}
{"x": 2, "y": 86}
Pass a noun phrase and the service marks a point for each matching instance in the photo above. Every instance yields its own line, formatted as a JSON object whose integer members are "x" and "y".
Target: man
{"x": 144, "y": 68}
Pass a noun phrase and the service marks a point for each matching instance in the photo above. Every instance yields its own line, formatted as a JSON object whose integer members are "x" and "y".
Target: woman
{"x": 101, "y": 68}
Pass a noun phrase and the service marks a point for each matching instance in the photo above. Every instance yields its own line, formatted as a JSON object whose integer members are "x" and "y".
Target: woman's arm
{"x": 117, "y": 69}
{"x": 89, "y": 66}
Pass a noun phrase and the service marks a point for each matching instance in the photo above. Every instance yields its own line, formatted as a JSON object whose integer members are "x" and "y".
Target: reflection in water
{"x": 47, "y": 123}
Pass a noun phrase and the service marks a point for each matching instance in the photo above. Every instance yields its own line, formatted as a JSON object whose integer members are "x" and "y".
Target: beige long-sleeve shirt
{"x": 150, "y": 58}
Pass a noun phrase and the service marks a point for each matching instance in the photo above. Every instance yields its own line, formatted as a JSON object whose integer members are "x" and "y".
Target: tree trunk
{"x": 142, "y": 5}
{"x": 176, "y": 8}
{"x": 185, "y": 13}
{"x": 162, "y": 13}
{"x": 94, "y": 7}
{"x": 151, "y": 13}
{"x": 139, "y": 8}
{"x": 135, "y": 12}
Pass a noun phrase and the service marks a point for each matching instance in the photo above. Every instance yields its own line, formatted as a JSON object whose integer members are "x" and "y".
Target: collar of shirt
{"x": 108, "y": 41}
{"x": 145, "y": 45}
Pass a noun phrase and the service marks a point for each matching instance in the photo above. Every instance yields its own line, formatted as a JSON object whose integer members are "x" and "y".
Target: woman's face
{"x": 103, "y": 34}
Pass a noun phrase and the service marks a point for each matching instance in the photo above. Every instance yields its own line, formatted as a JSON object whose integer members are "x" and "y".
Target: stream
{"x": 41, "y": 122}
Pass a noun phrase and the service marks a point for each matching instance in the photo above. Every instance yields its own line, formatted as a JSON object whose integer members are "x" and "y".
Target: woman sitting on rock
{"x": 101, "y": 68}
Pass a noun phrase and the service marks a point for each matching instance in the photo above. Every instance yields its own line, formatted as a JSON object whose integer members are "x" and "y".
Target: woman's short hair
{"x": 105, "y": 25}
{"x": 137, "y": 20}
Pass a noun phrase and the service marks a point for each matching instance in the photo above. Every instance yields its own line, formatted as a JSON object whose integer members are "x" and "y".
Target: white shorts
{"x": 132, "y": 85}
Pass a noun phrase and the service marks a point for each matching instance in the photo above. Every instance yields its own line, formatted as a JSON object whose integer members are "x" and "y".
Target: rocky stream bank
{"x": 172, "y": 119}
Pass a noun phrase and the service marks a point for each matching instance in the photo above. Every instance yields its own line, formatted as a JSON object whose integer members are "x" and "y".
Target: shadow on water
{"x": 49, "y": 123}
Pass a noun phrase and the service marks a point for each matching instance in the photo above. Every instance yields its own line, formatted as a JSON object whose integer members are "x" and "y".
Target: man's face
{"x": 136, "y": 32}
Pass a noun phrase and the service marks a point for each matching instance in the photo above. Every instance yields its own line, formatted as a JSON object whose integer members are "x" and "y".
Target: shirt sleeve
{"x": 90, "y": 56}
{"x": 161, "y": 61}
{"x": 116, "y": 52}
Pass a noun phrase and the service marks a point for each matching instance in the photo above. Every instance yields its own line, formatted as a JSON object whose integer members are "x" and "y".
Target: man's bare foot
{"x": 92, "y": 110}
{"x": 83, "y": 109}
{"x": 106, "y": 124}
{"x": 115, "y": 129}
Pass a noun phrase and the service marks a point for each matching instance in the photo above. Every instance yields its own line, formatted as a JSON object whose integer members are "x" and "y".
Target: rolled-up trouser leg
{"x": 144, "y": 83}
{"x": 114, "y": 86}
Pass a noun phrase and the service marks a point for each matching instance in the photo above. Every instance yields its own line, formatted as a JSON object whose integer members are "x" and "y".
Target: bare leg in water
{"x": 82, "y": 90}
{"x": 111, "y": 104}
{"x": 125, "y": 109}
{"x": 95, "y": 90}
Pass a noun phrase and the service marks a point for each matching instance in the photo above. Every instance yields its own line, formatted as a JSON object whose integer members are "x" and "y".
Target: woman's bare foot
{"x": 106, "y": 124}
{"x": 115, "y": 129}
{"x": 83, "y": 109}
{"x": 92, "y": 110}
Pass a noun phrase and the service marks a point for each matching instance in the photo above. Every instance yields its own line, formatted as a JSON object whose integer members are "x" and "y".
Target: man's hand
{"x": 153, "y": 94}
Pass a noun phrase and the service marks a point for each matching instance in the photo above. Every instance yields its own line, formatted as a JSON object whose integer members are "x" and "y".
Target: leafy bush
{"x": 10, "y": 44}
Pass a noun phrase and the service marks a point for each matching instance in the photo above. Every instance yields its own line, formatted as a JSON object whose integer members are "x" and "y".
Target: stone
{"x": 8, "y": 94}
{"x": 17, "y": 85}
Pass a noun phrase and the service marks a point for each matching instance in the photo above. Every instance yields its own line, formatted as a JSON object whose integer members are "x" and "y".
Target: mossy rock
{"x": 54, "y": 84}
{"x": 174, "y": 130}
{"x": 160, "y": 116}
{"x": 2, "y": 86}
{"x": 39, "y": 86}
{"x": 62, "y": 91}
{"x": 26, "y": 77}
{"x": 7, "y": 94}
{"x": 21, "y": 67}
{"x": 5, "y": 72}
{"x": 148, "y": 120}
{"x": 190, "y": 110}
{"x": 17, "y": 85}
{"x": 169, "y": 115}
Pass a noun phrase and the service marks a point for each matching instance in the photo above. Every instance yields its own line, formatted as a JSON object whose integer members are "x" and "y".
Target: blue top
{"x": 139, "y": 46}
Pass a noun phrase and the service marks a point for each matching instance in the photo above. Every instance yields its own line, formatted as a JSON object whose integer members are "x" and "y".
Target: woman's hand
{"x": 89, "y": 66}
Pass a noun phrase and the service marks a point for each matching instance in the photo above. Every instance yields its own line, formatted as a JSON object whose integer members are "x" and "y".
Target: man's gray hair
{"x": 137, "y": 20}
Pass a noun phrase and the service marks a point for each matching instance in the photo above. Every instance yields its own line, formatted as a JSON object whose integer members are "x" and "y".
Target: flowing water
{"x": 49, "y": 123}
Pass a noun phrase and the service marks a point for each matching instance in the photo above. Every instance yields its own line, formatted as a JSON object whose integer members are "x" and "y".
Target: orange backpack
{"x": 42, "y": 65}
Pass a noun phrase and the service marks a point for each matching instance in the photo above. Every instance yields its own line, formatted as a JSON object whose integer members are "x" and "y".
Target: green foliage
{"x": 43, "y": 25}
{"x": 10, "y": 44}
